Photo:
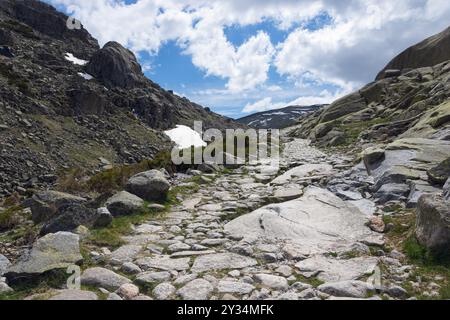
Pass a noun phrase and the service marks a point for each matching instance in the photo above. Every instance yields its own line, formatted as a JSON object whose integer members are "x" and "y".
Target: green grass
{"x": 10, "y": 218}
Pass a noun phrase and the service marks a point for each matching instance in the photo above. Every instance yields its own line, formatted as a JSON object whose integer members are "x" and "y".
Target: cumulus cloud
{"x": 360, "y": 37}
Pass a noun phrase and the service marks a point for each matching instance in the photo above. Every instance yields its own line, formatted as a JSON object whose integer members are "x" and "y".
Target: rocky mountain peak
{"x": 116, "y": 66}
{"x": 428, "y": 53}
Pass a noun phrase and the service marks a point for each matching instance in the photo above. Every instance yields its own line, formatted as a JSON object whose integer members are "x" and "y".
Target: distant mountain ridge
{"x": 278, "y": 118}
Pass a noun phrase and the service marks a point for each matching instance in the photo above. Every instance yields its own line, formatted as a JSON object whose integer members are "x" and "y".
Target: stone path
{"x": 243, "y": 237}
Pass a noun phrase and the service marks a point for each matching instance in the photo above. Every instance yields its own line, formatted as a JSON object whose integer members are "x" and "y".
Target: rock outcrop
{"x": 428, "y": 52}
{"x": 433, "y": 224}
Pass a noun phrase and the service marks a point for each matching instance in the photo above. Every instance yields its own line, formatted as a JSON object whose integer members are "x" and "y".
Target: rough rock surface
{"x": 150, "y": 185}
{"x": 124, "y": 203}
{"x": 103, "y": 278}
{"x": 52, "y": 252}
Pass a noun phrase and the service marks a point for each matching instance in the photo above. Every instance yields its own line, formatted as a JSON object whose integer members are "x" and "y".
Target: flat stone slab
{"x": 164, "y": 263}
{"x": 103, "y": 278}
{"x": 303, "y": 171}
{"x": 198, "y": 289}
{"x": 238, "y": 287}
{"x": 319, "y": 222}
{"x": 53, "y": 251}
{"x": 191, "y": 253}
{"x": 74, "y": 295}
{"x": 124, "y": 254}
{"x": 220, "y": 261}
{"x": 330, "y": 269}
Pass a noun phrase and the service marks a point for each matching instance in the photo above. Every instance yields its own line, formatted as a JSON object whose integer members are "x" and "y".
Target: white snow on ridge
{"x": 86, "y": 76}
{"x": 70, "y": 57}
{"x": 184, "y": 137}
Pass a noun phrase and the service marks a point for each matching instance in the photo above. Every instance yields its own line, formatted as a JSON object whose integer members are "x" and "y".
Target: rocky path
{"x": 306, "y": 244}
{"x": 307, "y": 231}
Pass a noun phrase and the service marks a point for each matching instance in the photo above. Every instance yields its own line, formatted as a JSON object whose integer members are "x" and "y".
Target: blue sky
{"x": 244, "y": 56}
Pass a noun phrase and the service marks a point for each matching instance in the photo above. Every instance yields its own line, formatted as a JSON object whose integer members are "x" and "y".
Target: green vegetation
{"x": 14, "y": 79}
{"x": 10, "y": 218}
{"x": 353, "y": 130}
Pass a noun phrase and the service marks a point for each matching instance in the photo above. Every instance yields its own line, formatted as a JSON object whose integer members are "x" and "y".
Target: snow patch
{"x": 184, "y": 137}
{"x": 70, "y": 57}
{"x": 85, "y": 76}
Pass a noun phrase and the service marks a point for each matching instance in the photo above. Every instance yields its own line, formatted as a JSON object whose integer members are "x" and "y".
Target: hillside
{"x": 279, "y": 118}
{"x": 66, "y": 102}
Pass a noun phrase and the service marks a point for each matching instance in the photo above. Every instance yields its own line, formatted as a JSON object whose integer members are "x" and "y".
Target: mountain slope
{"x": 279, "y": 118}
{"x": 429, "y": 52}
{"x": 64, "y": 102}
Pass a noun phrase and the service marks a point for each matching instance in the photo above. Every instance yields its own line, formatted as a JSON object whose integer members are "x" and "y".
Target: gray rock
{"x": 4, "y": 264}
{"x": 51, "y": 252}
{"x": 46, "y": 204}
{"x": 130, "y": 268}
{"x": 128, "y": 291}
{"x": 288, "y": 296}
{"x": 302, "y": 172}
{"x": 353, "y": 289}
{"x": 164, "y": 263}
{"x": 75, "y": 295}
{"x": 220, "y": 261}
{"x": 319, "y": 222}
{"x": 115, "y": 65}
{"x": 208, "y": 167}
{"x": 150, "y": 185}
{"x": 433, "y": 223}
{"x": 103, "y": 278}
{"x": 104, "y": 218}
{"x": 397, "y": 292}
{"x": 198, "y": 289}
{"x": 272, "y": 282}
{"x": 152, "y": 277}
{"x": 5, "y": 289}
{"x": 124, "y": 203}
{"x": 164, "y": 291}
{"x": 446, "y": 190}
{"x": 126, "y": 253}
{"x": 329, "y": 269}
{"x": 392, "y": 191}
{"x": 114, "y": 297}
{"x": 241, "y": 288}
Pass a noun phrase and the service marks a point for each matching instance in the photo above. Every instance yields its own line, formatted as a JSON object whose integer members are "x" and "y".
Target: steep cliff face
{"x": 64, "y": 102}
{"x": 429, "y": 52}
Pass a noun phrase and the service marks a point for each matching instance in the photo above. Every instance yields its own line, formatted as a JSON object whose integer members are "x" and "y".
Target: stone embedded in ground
{"x": 440, "y": 173}
{"x": 126, "y": 253}
{"x": 287, "y": 193}
{"x": 124, "y": 203}
{"x": 164, "y": 263}
{"x": 433, "y": 223}
{"x": 446, "y": 190}
{"x": 302, "y": 172}
{"x": 238, "y": 287}
{"x": 74, "y": 295}
{"x": 128, "y": 291}
{"x": 103, "y": 278}
{"x": 150, "y": 185}
{"x": 4, "y": 264}
{"x": 330, "y": 269}
{"x": 220, "y": 261}
{"x": 164, "y": 291}
{"x": 130, "y": 268}
{"x": 5, "y": 289}
{"x": 272, "y": 282}
{"x": 351, "y": 289}
{"x": 319, "y": 222}
{"x": 198, "y": 289}
{"x": 152, "y": 277}
{"x": 51, "y": 252}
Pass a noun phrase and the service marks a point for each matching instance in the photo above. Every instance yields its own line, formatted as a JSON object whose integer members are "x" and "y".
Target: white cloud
{"x": 362, "y": 37}
{"x": 262, "y": 105}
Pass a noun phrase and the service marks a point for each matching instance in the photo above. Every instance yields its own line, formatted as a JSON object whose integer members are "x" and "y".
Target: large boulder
{"x": 150, "y": 185}
{"x": 116, "y": 66}
{"x": 124, "y": 203}
{"x": 71, "y": 216}
{"x": 433, "y": 223}
{"x": 51, "y": 252}
{"x": 86, "y": 101}
{"x": 46, "y": 204}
